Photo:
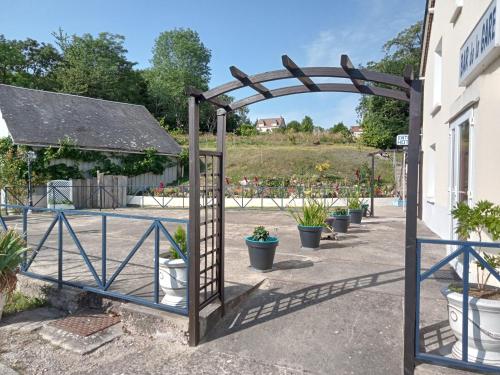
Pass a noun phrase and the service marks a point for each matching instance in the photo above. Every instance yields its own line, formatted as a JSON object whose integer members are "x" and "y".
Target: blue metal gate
{"x": 103, "y": 281}
{"x": 466, "y": 250}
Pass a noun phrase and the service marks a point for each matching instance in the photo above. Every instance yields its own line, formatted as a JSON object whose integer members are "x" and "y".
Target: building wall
{"x": 137, "y": 182}
{"x": 481, "y": 96}
{"x": 4, "y": 131}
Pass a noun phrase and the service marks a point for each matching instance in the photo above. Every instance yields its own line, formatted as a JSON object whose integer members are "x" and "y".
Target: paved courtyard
{"x": 338, "y": 310}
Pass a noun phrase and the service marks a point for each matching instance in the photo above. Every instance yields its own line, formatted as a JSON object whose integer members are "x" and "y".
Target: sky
{"x": 251, "y": 35}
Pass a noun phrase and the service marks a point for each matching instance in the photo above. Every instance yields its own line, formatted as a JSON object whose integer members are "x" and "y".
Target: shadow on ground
{"x": 271, "y": 304}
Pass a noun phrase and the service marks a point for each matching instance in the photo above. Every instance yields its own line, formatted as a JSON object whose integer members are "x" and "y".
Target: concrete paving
{"x": 338, "y": 310}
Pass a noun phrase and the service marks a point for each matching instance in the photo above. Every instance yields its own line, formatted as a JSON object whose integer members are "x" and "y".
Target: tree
{"x": 293, "y": 126}
{"x": 28, "y": 63}
{"x": 246, "y": 130}
{"x": 381, "y": 118}
{"x": 98, "y": 68}
{"x": 307, "y": 125}
{"x": 339, "y": 128}
{"x": 180, "y": 60}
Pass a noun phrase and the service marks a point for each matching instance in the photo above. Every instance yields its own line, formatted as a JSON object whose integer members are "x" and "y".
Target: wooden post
{"x": 221, "y": 147}
{"x": 411, "y": 228}
{"x": 194, "y": 222}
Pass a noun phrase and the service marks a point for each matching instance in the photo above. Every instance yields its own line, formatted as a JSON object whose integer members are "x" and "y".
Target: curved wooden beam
{"x": 329, "y": 72}
{"x": 293, "y": 68}
{"x": 323, "y": 87}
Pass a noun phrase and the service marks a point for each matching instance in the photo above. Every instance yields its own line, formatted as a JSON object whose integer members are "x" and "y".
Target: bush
{"x": 313, "y": 214}
{"x": 260, "y": 234}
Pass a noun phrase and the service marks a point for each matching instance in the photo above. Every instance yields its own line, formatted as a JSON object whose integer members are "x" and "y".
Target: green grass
{"x": 20, "y": 302}
{"x": 284, "y": 156}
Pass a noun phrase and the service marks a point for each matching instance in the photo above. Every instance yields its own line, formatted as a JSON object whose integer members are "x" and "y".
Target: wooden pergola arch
{"x": 404, "y": 88}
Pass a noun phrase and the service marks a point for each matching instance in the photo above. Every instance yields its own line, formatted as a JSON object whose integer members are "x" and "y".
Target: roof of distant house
{"x": 269, "y": 122}
{"x": 43, "y": 118}
{"x": 356, "y": 129}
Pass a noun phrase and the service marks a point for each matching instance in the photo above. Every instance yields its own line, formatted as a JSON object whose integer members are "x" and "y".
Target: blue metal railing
{"x": 103, "y": 283}
{"x": 465, "y": 249}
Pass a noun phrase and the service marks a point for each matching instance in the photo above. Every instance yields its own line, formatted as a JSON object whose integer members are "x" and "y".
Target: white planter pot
{"x": 3, "y": 299}
{"x": 484, "y": 328}
{"x": 173, "y": 281}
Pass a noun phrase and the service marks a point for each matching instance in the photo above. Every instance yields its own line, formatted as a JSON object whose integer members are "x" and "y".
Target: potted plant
{"x": 339, "y": 219}
{"x": 355, "y": 209}
{"x": 261, "y": 249}
{"x": 311, "y": 222}
{"x": 484, "y": 299}
{"x": 174, "y": 272}
{"x": 12, "y": 249}
{"x": 364, "y": 207}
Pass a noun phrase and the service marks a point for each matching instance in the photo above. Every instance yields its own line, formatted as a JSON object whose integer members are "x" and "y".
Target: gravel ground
{"x": 27, "y": 353}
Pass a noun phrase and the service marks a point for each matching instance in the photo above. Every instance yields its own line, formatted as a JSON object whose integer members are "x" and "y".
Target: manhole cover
{"x": 86, "y": 324}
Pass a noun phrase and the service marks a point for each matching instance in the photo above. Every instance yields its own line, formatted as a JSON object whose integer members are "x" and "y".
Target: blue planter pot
{"x": 356, "y": 215}
{"x": 261, "y": 253}
{"x": 341, "y": 223}
{"x": 310, "y": 237}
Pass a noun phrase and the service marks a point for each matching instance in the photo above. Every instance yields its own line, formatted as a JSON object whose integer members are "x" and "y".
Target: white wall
{"x": 4, "y": 131}
{"x": 482, "y": 95}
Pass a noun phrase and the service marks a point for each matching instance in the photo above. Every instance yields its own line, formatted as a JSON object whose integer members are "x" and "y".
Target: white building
{"x": 42, "y": 119}
{"x": 357, "y": 131}
{"x": 267, "y": 125}
{"x": 461, "y": 113}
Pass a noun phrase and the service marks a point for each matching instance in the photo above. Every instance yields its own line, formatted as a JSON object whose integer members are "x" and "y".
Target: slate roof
{"x": 271, "y": 122}
{"x": 42, "y": 118}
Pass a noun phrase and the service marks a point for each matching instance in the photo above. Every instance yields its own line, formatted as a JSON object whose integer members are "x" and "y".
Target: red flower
{"x": 162, "y": 185}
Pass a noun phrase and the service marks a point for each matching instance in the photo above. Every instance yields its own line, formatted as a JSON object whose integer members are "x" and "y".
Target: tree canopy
{"x": 381, "y": 118}
{"x": 97, "y": 66}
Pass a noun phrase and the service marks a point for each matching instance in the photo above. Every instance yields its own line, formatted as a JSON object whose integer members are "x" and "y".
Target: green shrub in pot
{"x": 339, "y": 219}
{"x": 311, "y": 219}
{"x": 261, "y": 249}
{"x": 484, "y": 297}
{"x": 354, "y": 203}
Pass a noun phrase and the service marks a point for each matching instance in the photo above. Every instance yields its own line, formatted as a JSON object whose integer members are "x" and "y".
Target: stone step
{"x": 137, "y": 318}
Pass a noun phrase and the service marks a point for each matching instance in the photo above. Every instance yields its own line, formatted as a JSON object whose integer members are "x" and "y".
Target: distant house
{"x": 267, "y": 125}
{"x": 42, "y": 119}
{"x": 356, "y": 131}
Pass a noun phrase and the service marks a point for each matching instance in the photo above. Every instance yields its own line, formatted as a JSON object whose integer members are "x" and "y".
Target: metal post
{"x": 194, "y": 222}
{"x": 404, "y": 182}
{"x": 221, "y": 147}
{"x": 410, "y": 310}
{"x": 372, "y": 187}
{"x": 156, "y": 285}
{"x": 30, "y": 191}
{"x": 59, "y": 250}
{"x": 104, "y": 249}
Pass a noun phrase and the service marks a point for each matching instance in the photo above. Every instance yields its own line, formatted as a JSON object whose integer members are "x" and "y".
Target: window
{"x": 437, "y": 79}
{"x": 457, "y": 10}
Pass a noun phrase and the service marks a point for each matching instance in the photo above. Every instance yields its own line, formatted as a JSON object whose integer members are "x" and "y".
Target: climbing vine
{"x": 13, "y": 166}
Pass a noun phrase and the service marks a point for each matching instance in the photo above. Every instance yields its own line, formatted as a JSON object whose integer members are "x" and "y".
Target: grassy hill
{"x": 281, "y": 156}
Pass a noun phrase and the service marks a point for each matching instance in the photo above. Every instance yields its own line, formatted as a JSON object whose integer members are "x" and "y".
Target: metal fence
{"x": 465, "y": 250}
{"x": 101, "y": 282}
{"x": 237, "y": 196}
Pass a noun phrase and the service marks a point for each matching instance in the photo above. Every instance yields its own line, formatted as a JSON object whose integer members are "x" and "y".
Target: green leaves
{"x": 179, "y": 60}
{"x": 313, "y": 214}
{"x": 383, "y": 119}
{"x": 181, "y": 239}
{"x": 12, "y": 248}
{"x": 260, "y": 234}
{"x": 483, "y": 217}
